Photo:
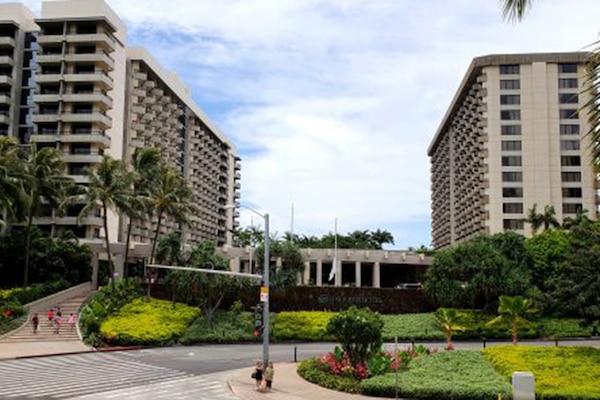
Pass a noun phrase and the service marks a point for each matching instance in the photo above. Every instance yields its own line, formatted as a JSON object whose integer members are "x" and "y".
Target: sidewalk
{"x": 33, "y": 349}
{"x": 287, "y": 385}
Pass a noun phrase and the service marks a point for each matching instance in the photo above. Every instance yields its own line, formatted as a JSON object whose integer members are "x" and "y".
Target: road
{"x": 179, "y": 373}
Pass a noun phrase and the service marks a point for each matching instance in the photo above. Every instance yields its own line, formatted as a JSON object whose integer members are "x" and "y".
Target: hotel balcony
{"x": 45, "y": 138}
{"x": 44, "y": 118}
{"x": 97, "y": 77}
{"x": 7, "y": 60}
{"x": 48, "y": 78}
{"x": 50, "y": 39}
{"x": 94, "y": 118}
{"x": 5, "y": 117}
{"x": 92, "y": 158}
{"x": 6, "y": 41}
{"x": 99, "y": 58}
{"x": 6, "y": 80}
{"x": 99, "y": 39}
{"x": 43, "y": 59}
{"x": 80, "y": 179}
{"x": 5, "y": 99}
{"x": 89, "y": 220}
{"x": 96, "y": 97}
{"x": 93, "y": 137}
{"x": 46, "y": 98}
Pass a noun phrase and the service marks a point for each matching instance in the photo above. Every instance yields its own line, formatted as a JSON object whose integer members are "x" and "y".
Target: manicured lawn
{"x": 560, "y": 372}
{"x": 446, "y": 375}
{"x": 417, "y": 326}
{"x": 227, "y": 327}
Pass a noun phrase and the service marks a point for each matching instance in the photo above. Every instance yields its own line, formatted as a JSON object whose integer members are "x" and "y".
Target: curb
{"x": 94, "y": 350}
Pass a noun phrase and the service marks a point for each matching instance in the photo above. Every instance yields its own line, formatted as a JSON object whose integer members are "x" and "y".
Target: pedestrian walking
{"x": 269, "y": 374}
{"x": 57, "y": 323}
{"x": 51, "y": 316}
{"x": 257, "y": 375}
{"x": 36, "y": 323}
{"x": 71, "y": 321}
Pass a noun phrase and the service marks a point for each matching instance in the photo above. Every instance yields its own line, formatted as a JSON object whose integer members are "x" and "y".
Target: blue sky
{"x": 332, "y": 103}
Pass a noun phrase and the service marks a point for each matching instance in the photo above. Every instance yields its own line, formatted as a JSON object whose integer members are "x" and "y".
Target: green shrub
{"x": 561, "y": 373}
{"x": 475, "y": 324}
{"x": 154, "y": 322}
{"x": 358, "y": 330}
{"x": 10, "y": 324}
{"x": 563, "y": 327}
{"x": 33, "y": 292}
{"x": 418, "y": 326}
{"x": 302, "y": 325}
{"x": 102, "y": 304}
{"x": 448, "y": 375}
{"x": 311, "y": 371}
{"x": 227, "y": 327}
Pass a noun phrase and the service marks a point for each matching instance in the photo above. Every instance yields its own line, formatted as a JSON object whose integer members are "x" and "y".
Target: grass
{"x": 8, "y": 325}
{"x": 419, "y": 326}
{"x": 227, "y": 327}
{"x": 561, "y": 373}
{"x": 444, "y": 376}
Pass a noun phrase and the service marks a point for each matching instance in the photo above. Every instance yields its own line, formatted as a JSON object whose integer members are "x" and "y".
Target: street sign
{"x": 264, "y": 294}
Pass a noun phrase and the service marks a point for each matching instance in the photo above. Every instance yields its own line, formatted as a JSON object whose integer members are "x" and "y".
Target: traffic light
{"x": 258, "y": 320}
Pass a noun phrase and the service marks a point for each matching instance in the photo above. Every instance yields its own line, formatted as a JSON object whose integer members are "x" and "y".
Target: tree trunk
{"x": 127, "y": 240}
{"x": 160, "y": 214}
{"x": 28, "y": 248}
{"x": 111, "y": 267}
{"x": 515, "y": 333}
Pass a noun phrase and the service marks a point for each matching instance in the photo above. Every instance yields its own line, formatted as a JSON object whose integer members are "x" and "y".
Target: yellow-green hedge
{"x": 560, "y": 372}
{"x": 302, "y": 325}
{"x": 153, "y": 322}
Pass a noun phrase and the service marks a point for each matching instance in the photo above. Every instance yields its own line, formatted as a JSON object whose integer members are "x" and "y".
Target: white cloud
{"x": 332, "y": 104}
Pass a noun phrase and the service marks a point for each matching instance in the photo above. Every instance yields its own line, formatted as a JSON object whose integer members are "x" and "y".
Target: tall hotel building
{"x": 68, "y": 80}
{"x": 513, "y": 137}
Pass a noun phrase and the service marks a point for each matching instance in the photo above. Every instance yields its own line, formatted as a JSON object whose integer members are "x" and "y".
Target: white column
{"x": 338, "y": 274}
{"x": 376, "y": 275}
{"x": 235, "y": 264}
{"x": 319, "y": 272}
{"x": 357, "y": 271}
{"x": 306, "y": 277}
{"x": 119, "y": 263}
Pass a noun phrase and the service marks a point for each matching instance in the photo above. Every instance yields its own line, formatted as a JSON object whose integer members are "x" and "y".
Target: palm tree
{"x": 12, "y": 192}
{"x": 549, "y": 218}
{"x": 380, "y": 237}
{"x": 512, "y": 310}
{"x": 579, "y": 218}
{"x": 146, "y": 165}
{"x": 533, "y": 218}
{"x": 45, "y": 183}
{"x": 448, "y": 322}
{"x": 109, "y": 186}
{"x": 170, "y": 196}
{"x": 515, "y": 10}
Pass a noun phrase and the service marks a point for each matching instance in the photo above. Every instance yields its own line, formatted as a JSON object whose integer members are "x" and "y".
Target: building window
{"x": 571, "y": 192}
{"x": 568, "y": 83}
{"x": 570, "y": 68}
{"x": 569, "y": 129}
{"x": 569, "y": 144}
{"x": 512, "y": 208}
{"x": 570, "y": 161}
{"x": 511, "y": 115}
{"x": 511, "y": 145}
{"x": 568, "y": 114}
{"x": 510, "y": 129}
{"x": 510, "y": 84}
{"x": 568, "y": 98}
{"x": 510, "y": 99}
{"x": 80, "y": 149}
{"x": 512, "y": 69}
{"x": 511, "y": 161}
{"x": 572, "y": 208}
{"x": 513, "y": 224}
{"x": 512, "y": 192}
{"x": 78, "y": 169}
{"x": 571, "y": 176}
{"x": 512, "y": 176}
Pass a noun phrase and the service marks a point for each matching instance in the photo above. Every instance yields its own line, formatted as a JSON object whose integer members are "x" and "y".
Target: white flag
{"x": 333, "y": 269}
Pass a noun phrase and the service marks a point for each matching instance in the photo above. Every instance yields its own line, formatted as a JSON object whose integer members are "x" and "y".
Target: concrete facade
{"x": 513, "y": 137}
{"x": 68, "y": 80}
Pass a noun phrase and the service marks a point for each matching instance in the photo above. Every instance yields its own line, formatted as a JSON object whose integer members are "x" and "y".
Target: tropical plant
{"x": 534, "y": 219}
{"x": 145, "y": 163}
{"x": 292, "y": 263}
{"x": 12, "y": 193}
{"x": 109, "y": 186}
{"x": 448, "y": 323}
{"x": 359, "y": 332}
{"x": 381, "y": 237}
{"x": 512, "y": 309}
{"x": 170, "y": 196}
{"x": 46, "y": 184}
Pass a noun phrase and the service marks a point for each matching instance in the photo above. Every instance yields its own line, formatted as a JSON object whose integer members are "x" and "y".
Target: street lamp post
{"x": 264, "y": 291}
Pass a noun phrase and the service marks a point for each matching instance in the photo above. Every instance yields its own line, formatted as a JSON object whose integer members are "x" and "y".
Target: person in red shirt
{"x": 51, "y": 316}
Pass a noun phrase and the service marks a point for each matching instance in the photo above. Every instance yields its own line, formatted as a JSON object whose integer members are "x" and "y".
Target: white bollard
{"x": 523, "y": 386}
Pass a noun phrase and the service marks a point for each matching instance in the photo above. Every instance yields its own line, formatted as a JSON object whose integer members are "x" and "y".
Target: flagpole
{"x": 292, "y": 224}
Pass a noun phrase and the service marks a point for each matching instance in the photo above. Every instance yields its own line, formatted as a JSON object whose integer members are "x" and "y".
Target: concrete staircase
{"x": 45, "y": 331}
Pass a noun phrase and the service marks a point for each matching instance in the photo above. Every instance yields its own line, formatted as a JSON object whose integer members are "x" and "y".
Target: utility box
{"x": 523, "y": 386}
